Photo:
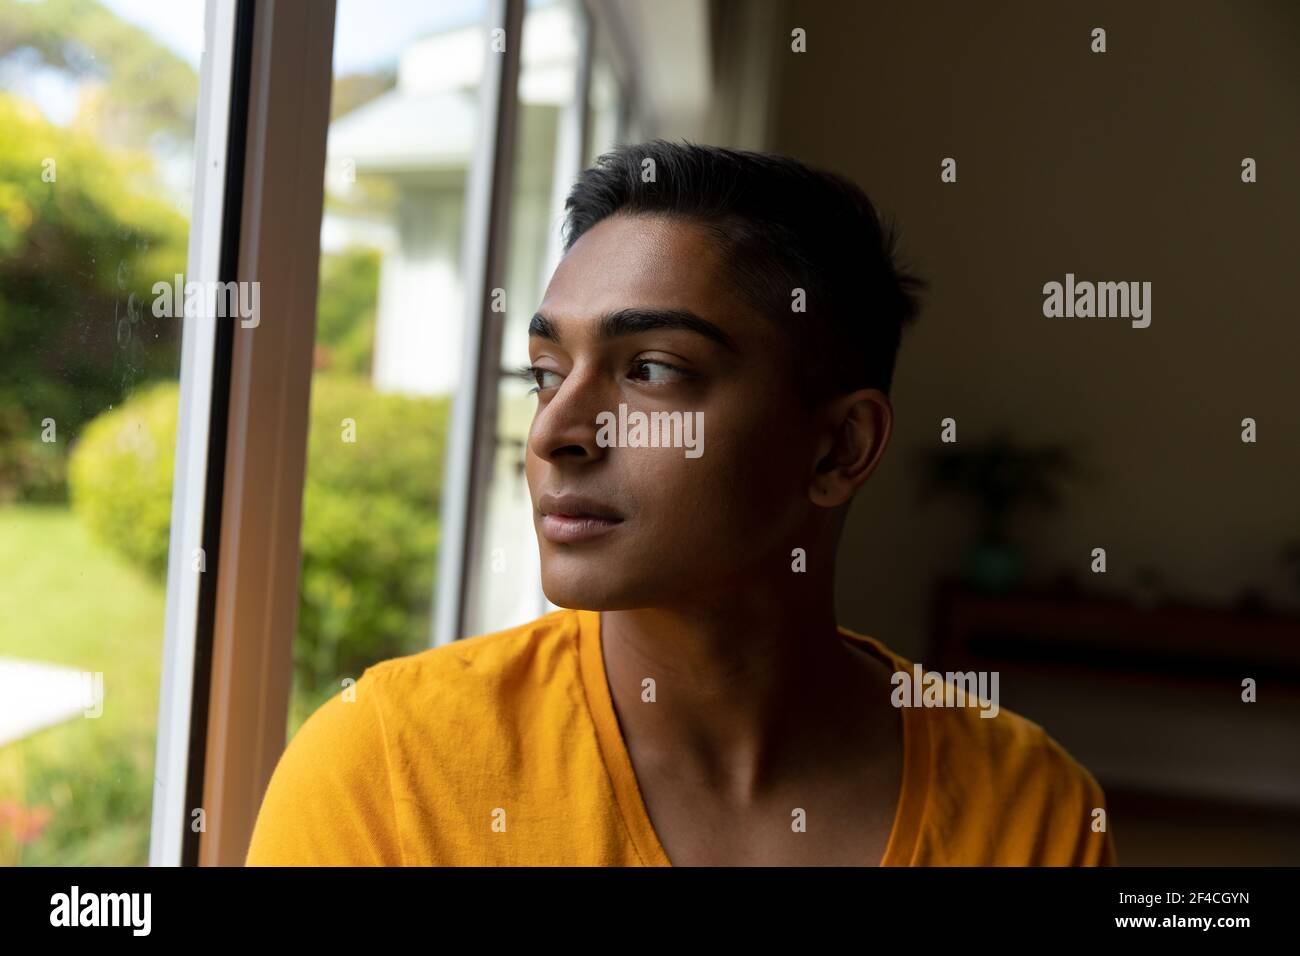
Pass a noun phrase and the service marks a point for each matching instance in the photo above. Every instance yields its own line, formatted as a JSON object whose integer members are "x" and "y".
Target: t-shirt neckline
{"x": 901, "y": 846}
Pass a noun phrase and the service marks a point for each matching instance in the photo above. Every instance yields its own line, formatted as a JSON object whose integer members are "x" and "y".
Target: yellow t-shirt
{"x": 505, "y": 749}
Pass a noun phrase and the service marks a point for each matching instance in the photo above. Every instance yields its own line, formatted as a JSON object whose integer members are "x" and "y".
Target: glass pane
{"x": 97, "y": 114}
{"x": 602, "y": 108}
{"x": 506, "y": 577}
{"x": 390, "y": 320}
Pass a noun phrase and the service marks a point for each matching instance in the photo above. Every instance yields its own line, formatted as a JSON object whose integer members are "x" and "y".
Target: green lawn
{"x": 65, "y": 599}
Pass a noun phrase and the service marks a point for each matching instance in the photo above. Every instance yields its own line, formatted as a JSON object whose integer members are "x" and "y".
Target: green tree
{"x": 345, "y": 310}
{"x": 370, "y": 514}
{"x": 147, "y": 89}
{"x": 83, "y": 238}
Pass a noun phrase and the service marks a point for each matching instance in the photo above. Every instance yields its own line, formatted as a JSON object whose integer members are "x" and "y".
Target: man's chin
{"x": 585, "y": 589}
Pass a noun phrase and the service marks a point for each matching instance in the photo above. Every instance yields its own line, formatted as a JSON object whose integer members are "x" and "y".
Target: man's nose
{"x": 566, "y": 425}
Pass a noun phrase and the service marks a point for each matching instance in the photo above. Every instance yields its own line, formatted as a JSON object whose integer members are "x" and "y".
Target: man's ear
{"x": 856, "y": 429}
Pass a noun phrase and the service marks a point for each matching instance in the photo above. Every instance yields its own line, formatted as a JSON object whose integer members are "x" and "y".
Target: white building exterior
{"x": 414, "y": 143}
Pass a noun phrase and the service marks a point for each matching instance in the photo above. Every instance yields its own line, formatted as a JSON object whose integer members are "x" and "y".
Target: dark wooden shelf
{"x": 1176, "y": 643}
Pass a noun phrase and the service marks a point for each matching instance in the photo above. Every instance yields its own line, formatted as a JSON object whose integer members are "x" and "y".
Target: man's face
{"x": 688, "y": 529}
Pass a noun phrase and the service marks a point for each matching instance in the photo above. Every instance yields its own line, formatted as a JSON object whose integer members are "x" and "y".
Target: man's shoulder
{"x": 1007, "y": 753}
{"x": 445, "y": 698}
{"x": 1007, "y": 775}
{"x": 967, "y": 727}
{"x": 483, "y": 661}
{"x": 990, "y": 767}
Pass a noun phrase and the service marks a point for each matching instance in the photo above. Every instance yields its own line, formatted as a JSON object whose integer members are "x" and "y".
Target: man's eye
{"x": 536, "y": 375}
{"x": 647, "y": 370}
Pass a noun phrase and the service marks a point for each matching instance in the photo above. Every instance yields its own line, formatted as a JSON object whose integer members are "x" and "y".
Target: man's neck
{"x": 746, "y": 693}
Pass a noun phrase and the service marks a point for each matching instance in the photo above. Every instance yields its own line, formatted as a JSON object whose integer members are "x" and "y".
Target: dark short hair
{"x": 782, "y": 226}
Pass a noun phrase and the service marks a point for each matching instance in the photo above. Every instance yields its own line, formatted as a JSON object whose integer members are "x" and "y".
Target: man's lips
{"x": 567, "y": 518}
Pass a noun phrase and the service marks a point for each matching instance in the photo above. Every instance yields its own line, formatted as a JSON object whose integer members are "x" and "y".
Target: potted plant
{"x": 1000, "y": 477}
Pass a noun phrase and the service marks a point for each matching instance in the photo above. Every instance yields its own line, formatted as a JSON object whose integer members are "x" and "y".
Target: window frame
{"x": 242, "y": 429}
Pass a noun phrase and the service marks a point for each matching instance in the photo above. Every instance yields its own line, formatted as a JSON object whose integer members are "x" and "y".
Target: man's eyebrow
{"x": 632, "y": 321}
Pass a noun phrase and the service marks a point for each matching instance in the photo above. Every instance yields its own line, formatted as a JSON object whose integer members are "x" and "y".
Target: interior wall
{"x": 1122, "y": 166}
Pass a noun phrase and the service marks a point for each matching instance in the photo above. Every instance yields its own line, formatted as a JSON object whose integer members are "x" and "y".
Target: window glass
{"x": 505, "y": 579}
{"x": 389, "y": 333}
{"x": 602, "y": 107}
{"x": 97, "y": 115}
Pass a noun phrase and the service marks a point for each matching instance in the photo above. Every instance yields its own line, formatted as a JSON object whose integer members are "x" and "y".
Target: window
{"x": 97, "y": 139}
{"x": 604, "y": 106}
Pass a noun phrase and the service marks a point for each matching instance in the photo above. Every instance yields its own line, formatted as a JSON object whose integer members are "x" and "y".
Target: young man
{"x": 700, "y": 704}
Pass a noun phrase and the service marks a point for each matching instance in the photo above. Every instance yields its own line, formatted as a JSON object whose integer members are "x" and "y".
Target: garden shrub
{"x": 370, "y": 513}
